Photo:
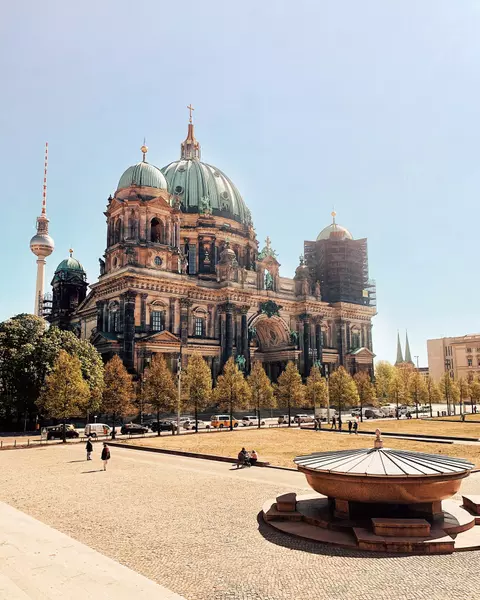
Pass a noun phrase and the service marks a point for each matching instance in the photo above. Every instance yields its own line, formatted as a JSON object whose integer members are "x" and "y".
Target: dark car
{"x": 56, "y": 432}
{"x": 134, "y": 428}
{"x": 161, "y": 425}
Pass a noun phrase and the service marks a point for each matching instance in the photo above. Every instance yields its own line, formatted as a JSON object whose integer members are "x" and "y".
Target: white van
{"x": 97, "y": 429}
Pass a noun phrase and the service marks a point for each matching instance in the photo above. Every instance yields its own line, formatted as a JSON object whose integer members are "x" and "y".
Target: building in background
{"x": 182, "y": 272}
{"x": 459, "y": 356}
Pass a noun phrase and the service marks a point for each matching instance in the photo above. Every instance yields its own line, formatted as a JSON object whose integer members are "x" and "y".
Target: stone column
{"x": 143, "y": 311}
{"x": 306, "y": 344}
{"x": 171, "y": 321}
{"x": 318, "y": 342}
{"x": 228, "y": 330}
{"x": 129, "y": 329}
{"x": 340, "y": 330}
{"x": 348, "y": 330}
{"x": 100, "y": 315}
{"x": 245, "y": 350}
{"x": 185, "y": 304}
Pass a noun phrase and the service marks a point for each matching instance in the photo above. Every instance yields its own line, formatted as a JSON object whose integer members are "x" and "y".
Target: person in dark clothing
{"x": 340, "y": 423}
{"x": 355, "y": 427}
{"x": 89, "y": 449}
{"x": 334, "y": 423}
{"x": 105, "y": 455}
{"x": 349, "y": 427}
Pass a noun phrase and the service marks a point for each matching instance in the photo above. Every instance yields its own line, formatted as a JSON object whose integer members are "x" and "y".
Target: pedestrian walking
{"x": 355, "y": 427}
{"x": 350, "y": 426}
{"x": 339, "y": 423}
{"x": 89, "y": 449}
{"x": 105, "y": 455}
{"x": 334, "y": 423}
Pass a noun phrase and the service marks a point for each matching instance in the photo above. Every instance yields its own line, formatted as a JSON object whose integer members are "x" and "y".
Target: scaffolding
{"x": 341, "y": 267}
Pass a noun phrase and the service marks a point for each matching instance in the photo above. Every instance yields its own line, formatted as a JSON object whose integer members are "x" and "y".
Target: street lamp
{"x": 179, "y": 388}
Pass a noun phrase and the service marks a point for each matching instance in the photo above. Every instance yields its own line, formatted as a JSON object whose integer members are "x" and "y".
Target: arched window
{"x": 114, "y": 314}
{"x": 355, "y": 339}
{"x": 199, "y": 327}
{"x": 157, "y": 234}
{"x": 118, "y": 231}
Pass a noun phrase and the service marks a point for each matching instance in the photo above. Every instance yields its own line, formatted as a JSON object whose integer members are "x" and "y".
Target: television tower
{"x": 42, "y": 244}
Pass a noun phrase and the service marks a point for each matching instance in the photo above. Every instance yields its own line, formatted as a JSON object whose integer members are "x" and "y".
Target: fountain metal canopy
{"x": 383, "y": 462}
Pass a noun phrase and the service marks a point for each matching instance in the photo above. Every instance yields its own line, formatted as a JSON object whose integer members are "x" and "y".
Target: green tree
{"x": 197, "y": 384}
{"x": 342, "y": 389}
{"x": 20, "y": 379}
{"x": 418, "y": 390}
{"x": 232, "y": 391}
{"x": 433, "y": 393}
{"x": 474, "y": 392}
{"x": 117, "y": 391}
{"x": 365, "y": 389}
{"x": 384, "y": 373}
{"x": 449, "y": 392}
{"x": 261, "y": 389}
{"x": 463, "y": 393}
{"x": 316, "y": 389}
{"x": 290, "y": 390}
{"x": 65, "y": 390}
{"x": 159, "y": 387}
{"x": 405, "y": 373}
{"x": 396, "y": 390}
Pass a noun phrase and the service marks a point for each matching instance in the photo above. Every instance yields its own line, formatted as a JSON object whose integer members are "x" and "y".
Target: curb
{"x": 214, "y": 457}
{"x": 439, "y": 439}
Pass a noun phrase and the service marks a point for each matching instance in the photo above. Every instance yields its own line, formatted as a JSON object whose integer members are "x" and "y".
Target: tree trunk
{"x": 416, "y": 405}
{"x": 398, "y": 410}
{"x": 231, "y": 415}
{"x": 158, "y": 422}
{"x": 64, "y": 432}
{"x": 196, "y": 416}
{"x": 289, "y": 414}
{"x": 258, "y": 414}
{"x": 361, "y": 410}
{"x": 114, "y": 433}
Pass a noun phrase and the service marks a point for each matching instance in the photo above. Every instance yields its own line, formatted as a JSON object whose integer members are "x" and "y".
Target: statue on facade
{"x": 240, "y": 360}
{"x": 318, "y": 294}
{"x": 205, "y": 206}
{"x": 243, "y": 276}
{"x": 268, "y": 281}
{"x": 102, "y": 266}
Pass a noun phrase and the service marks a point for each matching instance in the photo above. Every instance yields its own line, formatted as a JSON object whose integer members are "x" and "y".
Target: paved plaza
{"x": 193, "y": 526}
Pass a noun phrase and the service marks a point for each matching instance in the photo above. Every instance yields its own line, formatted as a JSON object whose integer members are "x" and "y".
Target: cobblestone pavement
{"x": 193, "y": 526}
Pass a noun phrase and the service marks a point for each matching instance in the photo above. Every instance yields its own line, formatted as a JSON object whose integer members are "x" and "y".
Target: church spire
{"x": 190, "y": 147}
{"x": 408, "y": 356}
{"x": 399, "y": 351}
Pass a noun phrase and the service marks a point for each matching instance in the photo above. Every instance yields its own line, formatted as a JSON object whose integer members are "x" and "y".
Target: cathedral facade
{"x": 183, "y": 272}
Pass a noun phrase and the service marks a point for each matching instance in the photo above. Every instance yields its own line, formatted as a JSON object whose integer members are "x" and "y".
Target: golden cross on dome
{"x": 190, "y": 108}
{"x": 71, "y": 252}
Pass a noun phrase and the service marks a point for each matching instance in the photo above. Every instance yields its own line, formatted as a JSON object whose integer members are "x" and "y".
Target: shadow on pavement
{"x": 296, "y": 543}
{"x": 94, "y": 471}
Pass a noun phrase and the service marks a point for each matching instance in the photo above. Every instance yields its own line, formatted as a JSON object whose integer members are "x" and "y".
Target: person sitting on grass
{"x": 253, "y": 457}
{"x": 243, "y": 458}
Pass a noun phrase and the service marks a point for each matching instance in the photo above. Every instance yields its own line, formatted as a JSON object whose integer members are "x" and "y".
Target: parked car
{"x": 303, "y": 418}
{"x": 251, "y": 420}
{"x": 372, "y": 413}
{"x": 283, "y": 420}
{"x": 134, "y": 428}
{"x": 222, "y": 421}
{"x": 162, "y": 425}
{"x": 96, "y": 429}
{"x": 190, "y": 424}
{"x": 55, "y": 432}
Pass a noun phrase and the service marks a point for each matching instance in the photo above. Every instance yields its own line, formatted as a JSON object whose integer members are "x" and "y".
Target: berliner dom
{"x": 183, "y": 272}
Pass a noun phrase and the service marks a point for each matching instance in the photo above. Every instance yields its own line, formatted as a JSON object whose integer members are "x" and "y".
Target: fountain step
{"x": 401, "y": 527}
{"x": 468, "y": 540}
{"x": 287, "y": 502}
{"x": 317, "y": 534}
{"x": 455, "y": 518}
{"x": 435, "y": 543}
{"x": 272, "y": 514}
{"x": 472, "y": 502}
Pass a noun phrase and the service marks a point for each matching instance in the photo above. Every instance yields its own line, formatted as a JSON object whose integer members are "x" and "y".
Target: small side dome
{"x": 68, "y": 267}
{"x": 334, "y": 231}
{"x": 142, "y": 174}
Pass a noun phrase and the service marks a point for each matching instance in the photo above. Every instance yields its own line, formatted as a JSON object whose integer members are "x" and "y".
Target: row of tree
{"x": 404, "y": 384}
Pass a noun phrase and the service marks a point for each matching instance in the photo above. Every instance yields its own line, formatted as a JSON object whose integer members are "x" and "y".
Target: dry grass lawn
{"x": 443, "y": 428}
{"x": 280, "y": 446}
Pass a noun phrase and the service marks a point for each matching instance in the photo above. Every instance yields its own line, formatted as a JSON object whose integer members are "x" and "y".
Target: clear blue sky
{"x": 371, "y": 107}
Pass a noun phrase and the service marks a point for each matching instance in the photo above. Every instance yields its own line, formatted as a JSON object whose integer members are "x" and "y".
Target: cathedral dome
{"x": 143, "y": 174}
{"x": 69, "y": 265}
{"x": 334, "y": 231}
{"x": 202, "y": 188}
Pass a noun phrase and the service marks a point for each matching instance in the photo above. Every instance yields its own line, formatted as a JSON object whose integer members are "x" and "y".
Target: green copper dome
{"x": 142, "y": 174}
{"x": 69, "y": 268}
{"x": 70, "y": 264}
{"x": 203, "y": 188}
